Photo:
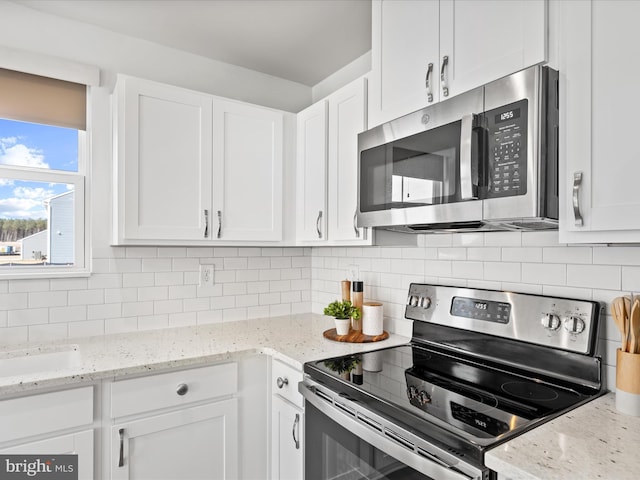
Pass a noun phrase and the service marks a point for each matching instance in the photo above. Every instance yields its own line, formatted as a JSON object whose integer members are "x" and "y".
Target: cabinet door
{"x": 311, "y": 193}
{"x": 597, "y": 121}
{"x": 247, "y": 172}
{"x": 80, "y": 444}
{"x": 404, "y": 52}
{"x": 287, "y": 435}
{"x": 164, "y": 138}
{"x": 346, "y": 119}
{"x": 199, "y": 443}
{"x": 488, "y": 40}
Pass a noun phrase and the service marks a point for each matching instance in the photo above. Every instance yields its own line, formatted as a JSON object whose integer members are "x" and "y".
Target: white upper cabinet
{"x": 248, "y": 145}
{"x": 327, "y": 168}
{"x": 347, "y": 118}
{"x": 405, "y": 54}
{"x": 164, "y": 158}
{"x": 311, "y": 172}
{"x": 193, "y": 169}
{"x": 489, "y": 39}
{"x": 600, "y": 159}
{"x": 426, "y": 51}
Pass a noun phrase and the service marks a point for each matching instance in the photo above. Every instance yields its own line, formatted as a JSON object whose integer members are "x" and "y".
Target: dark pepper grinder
{"x": 357, "y": 298}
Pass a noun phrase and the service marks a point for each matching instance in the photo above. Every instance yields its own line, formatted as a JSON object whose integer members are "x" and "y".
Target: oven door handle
{"x": 468, "y": 189}
{"x": 387, "y": 440}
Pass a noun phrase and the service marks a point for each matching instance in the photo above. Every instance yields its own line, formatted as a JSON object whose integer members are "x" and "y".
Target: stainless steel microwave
{"x": 484, "y": 160}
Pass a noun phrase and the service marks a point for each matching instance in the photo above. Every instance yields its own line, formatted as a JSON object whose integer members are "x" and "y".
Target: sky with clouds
{"x": 37, "y": 146}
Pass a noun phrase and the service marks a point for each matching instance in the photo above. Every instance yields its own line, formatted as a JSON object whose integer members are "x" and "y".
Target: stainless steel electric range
{"x": 483, "y": 366}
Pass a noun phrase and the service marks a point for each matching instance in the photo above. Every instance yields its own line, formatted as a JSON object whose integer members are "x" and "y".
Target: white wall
{"x": 29, "y": 29}
{"x": 532, "y": 262}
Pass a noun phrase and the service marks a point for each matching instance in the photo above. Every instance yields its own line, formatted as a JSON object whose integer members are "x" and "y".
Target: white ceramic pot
{"x": 342, "y": 325}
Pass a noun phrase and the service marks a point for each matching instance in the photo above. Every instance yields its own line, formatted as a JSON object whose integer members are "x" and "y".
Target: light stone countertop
{"x": 594, "y": 441}
{"x": 295, "y": 339}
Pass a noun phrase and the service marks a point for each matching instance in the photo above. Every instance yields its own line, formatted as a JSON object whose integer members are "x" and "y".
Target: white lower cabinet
{"x": 287, "y": 441}
{"x": 287, "y": 423}
{"x": 194, "y": 443}
{"x": 53, "y": 423}
{"x": 180, "y": 425}
{"x": 80, "y": 443}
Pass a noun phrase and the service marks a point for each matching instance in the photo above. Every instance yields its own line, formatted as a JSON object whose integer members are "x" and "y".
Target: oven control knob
{"x": 412, "y": 392}
{"x": 425, "y": 302}
{"x": 574, "y": 325}
{"x": 550, "y": 321}
{"x": 413, "y": 300}
{"x": 424, "y": 398}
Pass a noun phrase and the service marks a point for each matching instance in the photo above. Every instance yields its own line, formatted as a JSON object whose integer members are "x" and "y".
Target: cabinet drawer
{"x": 45, "y": 413}
{"x": 287, "y": 386}
{"x": 145, "y": 394}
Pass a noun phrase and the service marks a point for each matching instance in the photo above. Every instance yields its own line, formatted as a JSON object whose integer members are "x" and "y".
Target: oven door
{"x": 344, "y": 444}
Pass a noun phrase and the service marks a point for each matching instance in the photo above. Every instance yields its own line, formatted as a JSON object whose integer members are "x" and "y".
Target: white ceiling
{"x": 299, "y": 40}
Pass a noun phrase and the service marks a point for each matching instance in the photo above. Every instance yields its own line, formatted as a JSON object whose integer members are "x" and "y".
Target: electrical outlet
{"x": 206, "y": 276}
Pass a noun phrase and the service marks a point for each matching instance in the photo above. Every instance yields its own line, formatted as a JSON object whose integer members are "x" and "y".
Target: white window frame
{"x": 43, "y": 65}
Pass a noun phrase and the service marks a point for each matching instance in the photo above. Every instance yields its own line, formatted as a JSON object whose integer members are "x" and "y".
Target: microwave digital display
{"x": 507, "y": 115}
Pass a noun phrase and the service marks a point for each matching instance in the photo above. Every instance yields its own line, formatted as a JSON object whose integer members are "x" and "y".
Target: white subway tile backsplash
{"x": 503, "y": 239}
{"x": 169, "y": 278}
{"x": 48, "y": 332}
{"x": 544, "y": 273}
{"x": 568, "y": 292}
{"x": 502, "y": 272}
{"x": 104, "y": 280}
{"x": 269, "y": 298}
{"x": 121, "y": 325}
{"x": 452, "y": 253}
{"x": 185, "y": 264}
{"x": 156, "y": 264}
{"x": 487, "y": 254}
{"x": 57, "y": 284}
{"x": 119, "y": 295}
{"x": 470, "y": 270}
{"x": 47, "y": 299}
{"x": 182, "y": 291}
{"x": 135, "y": 309}
{"x": 522, "y": 254}
{"x": 540, "y": 239}
{"x": 107, "y": 310}
{"x": 76, "y": 313}
{"x": 437, "y": 268}
{"x": 616, "y": 255}
{"x": 3, "y": 319}
{"x": 31, "y": 316}
{"x": 167, "y": 306}
{"x": 209, "y": 316}
{"x": 12, "y": 335}
{"x": 631, "y": 279}
{"x": 152, "y": 322}
{"x": 12, "y": 301}
{"x": 170, "y": 252}
{"x": 235, "y": 263}
{"x": 18, "y": 286}
{"x": 153, "y": 293}
{"x": 182, "y": 319}
{"x": 122, "y": 265}
{"x": 567, "y": 255}
{"x": 234, "y": 288}
{"x": 138, "y": 279}
{"x": 266, "y": 275}
{"x": 86, "y": 297}
{"x": 594, "y": 276}
{"x": 470, "y": 239}
{"x": 196, "y": 304}
{"x": 86, "y": 329}
{"x": 141, "y": 252}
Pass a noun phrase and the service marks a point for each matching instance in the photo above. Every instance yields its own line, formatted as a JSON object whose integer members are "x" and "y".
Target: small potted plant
{"x": 342, "y": 311}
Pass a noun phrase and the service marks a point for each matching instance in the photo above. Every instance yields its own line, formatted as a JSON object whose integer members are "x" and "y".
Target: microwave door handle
{"x": 468, "y": 191}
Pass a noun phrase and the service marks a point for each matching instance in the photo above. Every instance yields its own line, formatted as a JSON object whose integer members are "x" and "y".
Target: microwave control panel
{"x": 507, "y": 166}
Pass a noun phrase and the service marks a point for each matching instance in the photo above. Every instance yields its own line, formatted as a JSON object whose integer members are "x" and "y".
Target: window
{"x": 42, "y": 175}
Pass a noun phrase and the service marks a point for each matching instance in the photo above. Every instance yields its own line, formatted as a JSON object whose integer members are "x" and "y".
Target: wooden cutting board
{"x": 353, "y": 336}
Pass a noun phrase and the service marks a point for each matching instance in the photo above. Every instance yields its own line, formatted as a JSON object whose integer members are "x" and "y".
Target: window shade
{"x": 36, "y": 99}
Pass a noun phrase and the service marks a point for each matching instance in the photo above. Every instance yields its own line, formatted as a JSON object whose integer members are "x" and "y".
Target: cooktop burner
{"x": 530, "y": 391}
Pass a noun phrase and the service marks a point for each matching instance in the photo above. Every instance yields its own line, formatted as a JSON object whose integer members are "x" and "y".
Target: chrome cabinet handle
{"x": 577, "y": 183}
{"x": 445, "y": 88}
{"x": 206, "y": 223}
{"x": 296, "y": 426}
{"x": 318, "y": 224}
{"x": 281, "y": 382}
{"x": 427, "y": 82}
{"x": 219, "y": 223}
{"x": 182, "y": 389}
{"x": 355, "y": 224}
{"x": 121, "y": 459}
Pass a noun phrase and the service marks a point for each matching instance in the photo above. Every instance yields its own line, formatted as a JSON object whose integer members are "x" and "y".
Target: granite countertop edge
{"x": 293, "y": 339}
